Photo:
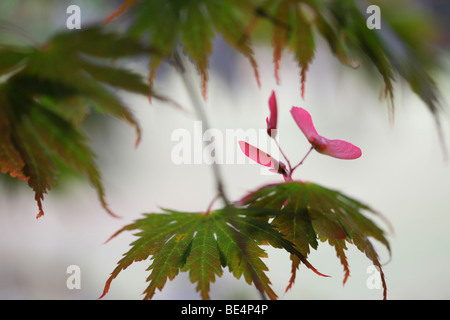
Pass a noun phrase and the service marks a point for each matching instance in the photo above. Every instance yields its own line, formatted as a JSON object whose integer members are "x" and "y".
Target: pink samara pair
{"x": 335, "y": 148}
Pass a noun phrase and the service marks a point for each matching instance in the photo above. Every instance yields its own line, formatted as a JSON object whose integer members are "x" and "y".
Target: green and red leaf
{"x": 305, "y": 212}
{"x": 203, "y": 244}
{"x": 49, "y": 91}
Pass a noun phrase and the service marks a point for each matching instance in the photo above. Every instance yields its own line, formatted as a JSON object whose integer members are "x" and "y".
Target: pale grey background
{"x": 401, "y": 174}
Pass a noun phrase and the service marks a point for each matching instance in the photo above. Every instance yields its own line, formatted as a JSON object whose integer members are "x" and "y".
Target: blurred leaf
{"x": 191, "y": 23}
{"x": 292, "y": 30}
{"x": 402, "y": 47}
{"x": 305, "y": 212}
{"x": 10, "y": 59}
{"x": 10, "y": 159}
{"x": 399, "y": 48}
{"x": 48, "y": 93}
{"x": 203, "y": 244}
{"x": 124, "y": 7}
{"x": 40, "y": 139}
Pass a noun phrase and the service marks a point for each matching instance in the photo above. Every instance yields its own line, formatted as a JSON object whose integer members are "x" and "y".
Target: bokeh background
{"x": 402, "y": 174}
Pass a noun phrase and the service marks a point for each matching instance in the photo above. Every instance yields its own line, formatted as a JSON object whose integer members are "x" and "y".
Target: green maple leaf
{"x": 193, "y": 24}
{"x": 34, "y": 140}
{"x": 306, "y": 212}
{"x": 203, "y": 244}
{"x": 49, "y": 90}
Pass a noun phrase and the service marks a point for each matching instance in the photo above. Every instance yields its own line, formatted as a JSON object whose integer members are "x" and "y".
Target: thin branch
{"x": 208, "y": 211}
{"x": 182, "y": 65}
{"x": 301, "y": 162}
{"x": 282, "y": 153}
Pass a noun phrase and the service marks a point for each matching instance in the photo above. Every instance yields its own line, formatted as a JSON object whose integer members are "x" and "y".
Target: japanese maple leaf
{"x": 49, "y": 91}
{"x": 204, "y": 244}
{"x": 308, "y": 214}
{"x": 335, "y": 148}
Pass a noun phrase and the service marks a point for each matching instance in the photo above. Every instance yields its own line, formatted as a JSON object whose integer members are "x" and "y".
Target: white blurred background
{"x": 401, "y": 174}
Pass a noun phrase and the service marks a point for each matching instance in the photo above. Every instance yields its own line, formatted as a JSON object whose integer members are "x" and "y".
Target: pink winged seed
{"x": 273, "y": 118}
{"x": 335, "y": 148}
{"x": 259, "y": 156}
